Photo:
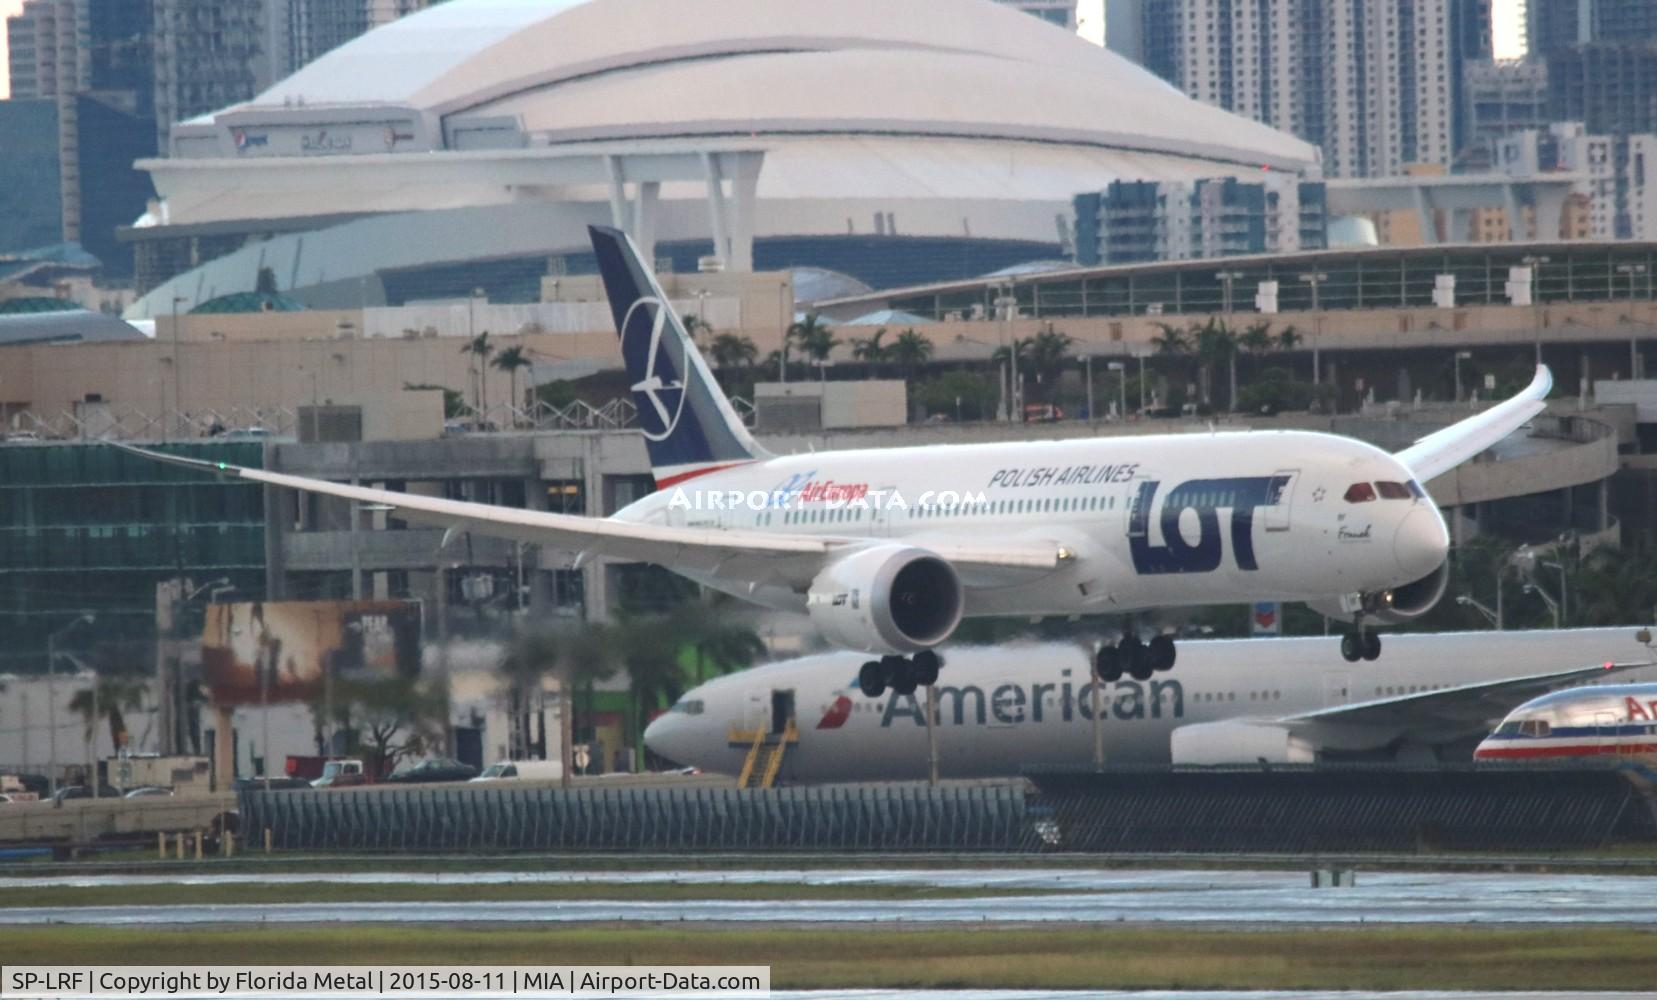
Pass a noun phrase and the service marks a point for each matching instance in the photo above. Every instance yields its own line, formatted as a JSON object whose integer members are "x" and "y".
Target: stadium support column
{"x": 744, "y": 193}
{"x": 717, "y": 209}
{"x": 646, "y": 195}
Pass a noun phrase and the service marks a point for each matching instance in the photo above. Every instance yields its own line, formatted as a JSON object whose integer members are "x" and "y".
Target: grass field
{"x": 993, "y": 956}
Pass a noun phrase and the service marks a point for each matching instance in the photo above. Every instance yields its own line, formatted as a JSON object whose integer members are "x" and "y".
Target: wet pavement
{"x": 1215, "y": 898}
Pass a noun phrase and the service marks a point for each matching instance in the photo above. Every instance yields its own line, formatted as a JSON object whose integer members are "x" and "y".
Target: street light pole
{"x": 178, "y": 373}
{"x": 1121, "y": 371}
{"x": 1087, "y": 363}
{"x": 1316, "y": 280}
{"x": 86, "y": 617}
{"x": 1632, "y": 270}
{"x": 1535, "y": 262}
{"x": 1460, "y": 355}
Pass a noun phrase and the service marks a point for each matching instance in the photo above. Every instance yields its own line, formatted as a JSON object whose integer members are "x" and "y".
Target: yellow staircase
{"x": 762, "y": 743}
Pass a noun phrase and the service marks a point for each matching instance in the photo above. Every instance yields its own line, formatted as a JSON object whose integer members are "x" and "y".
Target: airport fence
{"x": 873, "y": 817}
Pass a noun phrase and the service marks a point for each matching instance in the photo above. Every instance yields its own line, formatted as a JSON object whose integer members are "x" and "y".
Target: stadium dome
{"x": 964, "y": 121}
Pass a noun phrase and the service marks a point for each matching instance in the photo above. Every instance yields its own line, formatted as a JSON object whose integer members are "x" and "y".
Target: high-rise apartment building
{"x": 301, "y": 31}
{"x": 1376, "y": 83}
{"x": 1499, "y": 99}
{"x": 1059, "y": 12}
{"x": 1136, "y": 221}
{"x": 1554, "y": 26}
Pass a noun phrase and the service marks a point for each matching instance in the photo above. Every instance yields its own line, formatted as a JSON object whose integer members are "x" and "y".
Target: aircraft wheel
{"x": 903, "y": 675}
{"x": 1371, "y": 643}
{"x": 1161, "y": 651}
{"x": 1352, "y": 649}
{"x": 1134, "y": 656}
{"x": 1107, "y": 664}
{"x": 872, "y": 679}
{"x": 926, "y": 665}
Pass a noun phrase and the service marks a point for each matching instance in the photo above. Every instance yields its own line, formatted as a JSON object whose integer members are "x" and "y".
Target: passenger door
{"x": 1277, "y": 513}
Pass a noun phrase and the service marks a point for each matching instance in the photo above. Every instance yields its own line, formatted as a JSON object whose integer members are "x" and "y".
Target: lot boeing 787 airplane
{"x": 887, "y": 549}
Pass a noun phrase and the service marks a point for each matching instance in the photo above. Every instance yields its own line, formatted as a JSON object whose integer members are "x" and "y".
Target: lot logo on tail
{"x": 663, "y": 385}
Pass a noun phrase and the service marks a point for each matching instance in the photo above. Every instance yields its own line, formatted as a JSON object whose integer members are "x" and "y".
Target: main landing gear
{"x": 1360, "y": 645}
{"x": 903, "y": 674}
{"x": 1137, "y": 659}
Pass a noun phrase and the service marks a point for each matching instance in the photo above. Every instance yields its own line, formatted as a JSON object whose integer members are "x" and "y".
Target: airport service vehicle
{"x": 888, "y": 549}
{"x": 148, "y": 792}
{"x": 1614, "y": 720}
{"x": 528, "y": 770}
{"x": 1003, "y": 710}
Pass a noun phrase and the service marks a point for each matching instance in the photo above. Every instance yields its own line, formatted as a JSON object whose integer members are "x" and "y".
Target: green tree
{"x": 1216, "y": 344}
{"x": 962, "y": 395}
{"x": 1273, "y": 391}
{"x": 870, "y": 350}
{"x": 509, "y": 360}
{"x": 118, "y": 694}
{"x": 265, "y": 283}
{"x": 392, "y": 718}
{"x": 813, "y": 338}
{"x": 1615, "y": 586}
{"x": 1047, "y": 354}
{"x": 479, "y": 350}
{"x": 910, "y": 351}
{"x": 732, "y": 350}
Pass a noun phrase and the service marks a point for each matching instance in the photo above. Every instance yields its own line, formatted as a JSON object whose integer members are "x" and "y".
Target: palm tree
{"x": 117, "y": 695}
{"x": 813, "y": 337}
{"x": 480, "y": 349}
{"x": 870, "y": 350}
{"x": 1215, "y": 343}
{"x": 1289, "y": 339}
{"x": 910, "y": 351}
{"x": 509, "y": 361}
{"x": 695, "y": 325}
{"x": 1256, "y": 340}
{"x": 732, "y": 350}
{"x": 1046, "y": 354}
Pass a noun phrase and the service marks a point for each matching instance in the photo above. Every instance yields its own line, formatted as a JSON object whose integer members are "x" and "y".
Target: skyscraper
{"x": 1376, "y": 83}
{"x": 1554, "y": 26}
{"x": 1059, "y": 12}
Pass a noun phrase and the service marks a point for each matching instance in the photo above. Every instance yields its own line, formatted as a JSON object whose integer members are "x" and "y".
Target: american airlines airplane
{"x": 887, "y": 549}
{"x": 1003, "y": 710}
{"x": 1617, "y": 721}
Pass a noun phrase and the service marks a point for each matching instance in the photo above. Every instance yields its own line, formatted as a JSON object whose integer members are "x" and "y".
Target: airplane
{"x": 1616, "y": 721}
{"x": 1011, "y": 709}
{"x": 887, "y": 549}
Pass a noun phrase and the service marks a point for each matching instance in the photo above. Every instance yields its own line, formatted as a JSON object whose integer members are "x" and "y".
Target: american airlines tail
{"x": 689, "y": 426}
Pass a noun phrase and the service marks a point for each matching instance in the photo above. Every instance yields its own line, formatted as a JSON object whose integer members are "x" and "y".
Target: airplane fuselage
{"x": 1149, "y": 521}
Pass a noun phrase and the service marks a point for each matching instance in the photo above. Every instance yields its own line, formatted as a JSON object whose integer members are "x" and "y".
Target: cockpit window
{"x": 1535, "y": 727}
{"x": 1508, "y": 729}
{"x": 1393, "y": 491}
{"x": 689, "y": 706}
{"x": 1360, "y": 493}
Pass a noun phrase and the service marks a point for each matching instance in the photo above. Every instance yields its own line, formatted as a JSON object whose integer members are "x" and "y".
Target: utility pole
{"x": 1316, "y": 280}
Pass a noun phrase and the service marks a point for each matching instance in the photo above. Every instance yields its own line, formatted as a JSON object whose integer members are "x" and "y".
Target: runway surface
{"x": 1089, "y": 896}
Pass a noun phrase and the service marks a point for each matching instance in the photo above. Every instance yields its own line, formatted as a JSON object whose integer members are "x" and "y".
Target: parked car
{"x": 149, "y": 791}
{"x": 343, "y": 773}
{"x": 528, "y": 770}
{"x": 436, "y": 769}
{"x": 69, "y": 792}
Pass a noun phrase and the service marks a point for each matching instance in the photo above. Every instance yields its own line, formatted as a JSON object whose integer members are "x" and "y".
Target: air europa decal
{"x": 805, "y": 487}
{"x": 1207, "y": 497}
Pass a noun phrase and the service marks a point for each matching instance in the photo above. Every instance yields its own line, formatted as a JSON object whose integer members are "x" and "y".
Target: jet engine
{"x": 1394, "y": 606}
{"x": 886, "y": 599}
{"x": 1238, "y": 742}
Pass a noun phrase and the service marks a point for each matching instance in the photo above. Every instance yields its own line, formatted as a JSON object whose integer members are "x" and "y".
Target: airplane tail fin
{"x": 689, "y": 426}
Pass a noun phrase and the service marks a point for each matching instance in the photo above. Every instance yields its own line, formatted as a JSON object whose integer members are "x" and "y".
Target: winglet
{"x": 1441, "y": 451}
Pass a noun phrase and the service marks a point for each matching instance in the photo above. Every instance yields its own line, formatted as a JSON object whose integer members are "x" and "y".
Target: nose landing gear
{"x": 1137, "y": 659}
{"x": 903, "y": 674}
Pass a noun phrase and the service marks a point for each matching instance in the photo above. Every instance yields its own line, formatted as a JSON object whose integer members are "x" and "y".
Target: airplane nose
{"x": 1421, "y": 543}
{"x": 666, "y": 737}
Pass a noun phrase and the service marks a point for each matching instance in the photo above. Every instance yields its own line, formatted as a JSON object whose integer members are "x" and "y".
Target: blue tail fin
{"x": 688, "y": 424}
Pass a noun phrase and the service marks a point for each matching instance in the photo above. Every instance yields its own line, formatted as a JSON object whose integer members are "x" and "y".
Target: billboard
{"x": 298, "y": 643}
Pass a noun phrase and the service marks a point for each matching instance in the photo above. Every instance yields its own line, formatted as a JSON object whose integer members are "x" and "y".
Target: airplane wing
{"x": 1464, "y": 705}
{"x": 1441, "y": 451}
{"x": 764, "y": 557}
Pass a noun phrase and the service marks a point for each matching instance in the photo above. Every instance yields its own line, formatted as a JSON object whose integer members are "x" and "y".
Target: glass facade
{"x": 87, "y": 527}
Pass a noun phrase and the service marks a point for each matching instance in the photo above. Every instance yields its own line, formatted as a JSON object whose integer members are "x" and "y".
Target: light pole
{"x": 1553, "y": 605}
{"x": 1087, "y": 364}
{"x": 1564, "y": 591}
{"x": 85, "y": 618}
{"x": 1469, "y": 601}
{"x": 178, "y": 370}
{"x": 1316, "y": 280}
{"x": 1006, "y": 303}
{"x": 782, "y": 316}
{"x": 1460, "y": 357}
{"x": 1535, "y": 262}
{"x": 1226, "y": 280}
{"x": 1632, "y": 271}
{"x": 1121, "y": 371}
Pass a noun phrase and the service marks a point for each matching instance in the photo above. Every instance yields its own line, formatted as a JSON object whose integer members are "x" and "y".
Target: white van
{"x": 530, "y": 770}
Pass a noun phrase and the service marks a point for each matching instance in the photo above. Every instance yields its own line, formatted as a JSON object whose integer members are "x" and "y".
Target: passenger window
{"x": 1360, "y": 493}
{"x": 1393, "y": 491}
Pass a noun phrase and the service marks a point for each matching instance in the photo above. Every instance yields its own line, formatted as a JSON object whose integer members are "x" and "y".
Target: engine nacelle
{"x": 1390, "y": 607}
{"x": 1212, "y": 743}
{"x": 888, "y": 599}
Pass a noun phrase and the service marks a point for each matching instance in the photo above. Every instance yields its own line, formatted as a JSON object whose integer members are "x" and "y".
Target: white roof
{"x": 575, "y": 71}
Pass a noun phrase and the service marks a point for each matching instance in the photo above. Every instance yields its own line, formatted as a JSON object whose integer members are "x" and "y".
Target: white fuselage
{"x": 1152, "y": 521}
{"x": 1006, "y": 709}
{"x": 1613, "y": 721}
